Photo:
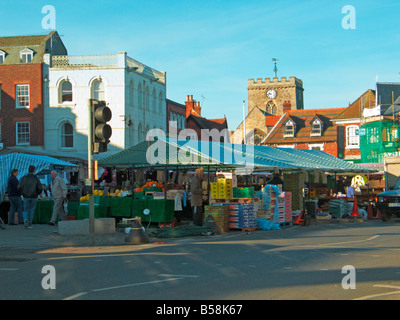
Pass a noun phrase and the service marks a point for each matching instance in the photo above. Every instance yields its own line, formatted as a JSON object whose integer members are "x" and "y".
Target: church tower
{"x": 275, "y": 96}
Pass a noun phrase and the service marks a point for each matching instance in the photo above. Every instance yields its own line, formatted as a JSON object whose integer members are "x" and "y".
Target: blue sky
{"x": 210, "y": 49}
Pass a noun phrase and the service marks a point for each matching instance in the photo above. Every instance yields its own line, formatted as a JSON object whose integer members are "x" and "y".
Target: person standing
{"x": 30, "y": 188}
{"x": 15, "y": 198}
{"x": 197, "y": 196}
{"x": 59, "y": 192}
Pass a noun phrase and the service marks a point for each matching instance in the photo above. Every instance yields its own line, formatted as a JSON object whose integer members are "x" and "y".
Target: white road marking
{"x": 119, "y": 287}
{"x": 372, "y": 296}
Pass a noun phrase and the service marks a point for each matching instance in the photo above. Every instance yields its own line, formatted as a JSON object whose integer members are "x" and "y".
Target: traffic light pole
{"x": 90, "y": 171}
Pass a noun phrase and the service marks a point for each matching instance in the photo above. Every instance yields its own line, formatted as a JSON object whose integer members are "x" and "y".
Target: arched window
{"x": 98, "y": 90}
{"x": 140, "y": 133}
{"x": 140, "y": 96}
{"x": 154, "y": 103}
{"x": 66, "y": 91}
{"x": 271, "y": 108}
{"x": 67, "y": 135}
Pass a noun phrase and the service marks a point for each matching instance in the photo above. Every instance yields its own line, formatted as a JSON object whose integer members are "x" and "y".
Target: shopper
{"x": 30, "y": 187}
{"x": 276, "y": 179}
{"x": 352, "y": 190}
{"x": 178, "y": 210}
{"x": 197, "y": 196}
{"x": 59, "y": 192}
{"x": 15, "y": 198}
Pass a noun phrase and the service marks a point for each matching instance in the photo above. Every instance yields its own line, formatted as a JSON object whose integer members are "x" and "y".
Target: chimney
{"x": 189, "y": 105}
{"x": 286, "y": 106}
{"x": 197, "y": 107}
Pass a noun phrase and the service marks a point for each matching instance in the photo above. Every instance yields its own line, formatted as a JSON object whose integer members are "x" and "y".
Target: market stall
{"x": 43, "y": 165}
{"x": 298, "y": 168}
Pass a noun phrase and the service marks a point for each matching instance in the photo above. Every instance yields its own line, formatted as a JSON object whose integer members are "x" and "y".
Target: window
{"x": 316, "y": 128}
{"x": 26, "y": 55}
{"x": 2, "y": 56}
{"x": 271, "y": 108}
{"x": 67, "y": 135}
{"x": 23, "y": 134}
{"x": 98, "y": 90}
{"x": 352, "y": 137}
{"x": 66, "y": 91}
{"x": 289, "y": 129}
{"x": 22, "y": 96}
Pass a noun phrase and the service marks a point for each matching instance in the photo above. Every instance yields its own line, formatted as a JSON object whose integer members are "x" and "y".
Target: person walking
{"x": 30, "y": 188}
{"x": 15, "y": 198}
{"x": 59, "y": 192}
{"x": 196, "y": 200}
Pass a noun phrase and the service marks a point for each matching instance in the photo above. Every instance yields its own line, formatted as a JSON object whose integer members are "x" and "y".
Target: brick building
{"x": 306, "y": 129}
{"x": 176, "y": 117}
{"x": 349, "y": 123}
{"x": 202, "y": 128}
{"x": 22, "y": 95}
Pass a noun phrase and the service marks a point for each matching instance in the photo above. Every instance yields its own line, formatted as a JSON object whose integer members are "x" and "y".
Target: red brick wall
{"x": 177, "y": 110}
{"x": 10, "y": 76}
{"x": 328, "y": 147}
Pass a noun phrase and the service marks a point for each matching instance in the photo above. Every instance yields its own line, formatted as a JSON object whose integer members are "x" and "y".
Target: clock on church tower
{"x": 271, "y": 95}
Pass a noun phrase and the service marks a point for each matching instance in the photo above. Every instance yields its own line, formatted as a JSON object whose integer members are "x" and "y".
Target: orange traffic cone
{"x": 370, "y": 212}
{"x": 355, "y": 213}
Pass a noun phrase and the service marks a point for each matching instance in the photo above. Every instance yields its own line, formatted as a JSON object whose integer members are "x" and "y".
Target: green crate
{"x": 120, "y": 207}
{"x": 157, "y": 189}
{"x": 243, "y": 192}
{"x": 160, "y": 210}
{"x": 83, "y": 212}
{"x": 43, "y": 211}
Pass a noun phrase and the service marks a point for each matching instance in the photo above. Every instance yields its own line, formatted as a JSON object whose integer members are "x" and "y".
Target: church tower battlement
{"x": 270, "y": 95}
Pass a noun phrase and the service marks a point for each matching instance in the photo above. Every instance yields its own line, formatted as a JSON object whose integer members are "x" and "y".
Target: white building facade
{"x": 135, "y": 93}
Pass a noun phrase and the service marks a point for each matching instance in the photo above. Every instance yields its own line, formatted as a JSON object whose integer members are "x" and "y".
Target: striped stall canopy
{"x": 21, "y": 161}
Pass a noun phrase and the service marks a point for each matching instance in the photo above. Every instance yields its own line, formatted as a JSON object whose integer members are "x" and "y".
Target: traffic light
{"x": 101, "y": 130}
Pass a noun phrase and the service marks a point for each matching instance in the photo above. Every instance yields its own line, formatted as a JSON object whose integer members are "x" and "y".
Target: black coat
{"x": 12, "y": 185}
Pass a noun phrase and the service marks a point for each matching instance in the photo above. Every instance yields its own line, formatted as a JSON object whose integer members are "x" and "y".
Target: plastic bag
{"x": 265, "y": 224}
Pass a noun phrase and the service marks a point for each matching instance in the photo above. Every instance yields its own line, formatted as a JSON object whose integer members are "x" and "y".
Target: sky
{"x": 210, "y": 48}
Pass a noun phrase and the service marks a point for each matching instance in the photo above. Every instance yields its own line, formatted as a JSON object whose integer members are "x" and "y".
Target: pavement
{"x": 43, "y": 236}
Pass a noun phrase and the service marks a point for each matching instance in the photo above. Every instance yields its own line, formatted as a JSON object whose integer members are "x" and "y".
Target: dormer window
{"x": 26, "y": 55}
{"x": 289, "y": 129}
{"x": 2, "y": 56}
{"x": 316, "y": 128}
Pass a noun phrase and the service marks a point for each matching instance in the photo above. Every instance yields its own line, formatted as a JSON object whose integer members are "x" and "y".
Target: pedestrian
{"x": 178, "y": 210}
{"x": 59, "y": 192}
{"x": 197, "y": 196}
{"x": 276, "y": 179}
{"x": 30, "y": 188}
{"x": 15, "y": 199}
{"x": 351, "y": 190}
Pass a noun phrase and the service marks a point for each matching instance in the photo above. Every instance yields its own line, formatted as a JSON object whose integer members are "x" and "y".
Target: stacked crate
{"x": 228, "y": 188}
{"x": 242, "y": 216}
{"x": 287, "y": 200}
{"x": 214, "y": 190}
{"x": 220, "y": 214}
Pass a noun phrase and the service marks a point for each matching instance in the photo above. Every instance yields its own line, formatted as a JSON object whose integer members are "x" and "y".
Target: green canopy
{"x": 171, "y": 153}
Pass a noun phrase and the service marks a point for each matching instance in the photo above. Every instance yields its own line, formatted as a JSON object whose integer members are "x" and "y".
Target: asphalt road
{"x": 295, "y": 263}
